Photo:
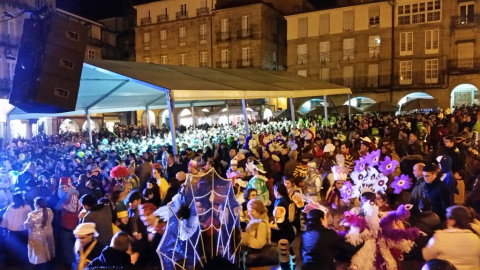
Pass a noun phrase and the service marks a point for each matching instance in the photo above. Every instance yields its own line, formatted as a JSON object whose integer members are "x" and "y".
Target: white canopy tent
{"x": 115, "y": 86}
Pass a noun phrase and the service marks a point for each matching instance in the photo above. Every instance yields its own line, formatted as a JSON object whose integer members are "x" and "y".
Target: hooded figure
{"x": 447, "y": 176}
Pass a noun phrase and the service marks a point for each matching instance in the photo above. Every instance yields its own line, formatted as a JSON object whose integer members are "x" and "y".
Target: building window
{"x": 224, "y": 31}
{"x": 431, "y": 41}
{"x": 348, "y": 20}
{"x": 147, "y": 59}
{"x": 373, "y": 75}
{"x": 91, "y": 54}
{"x": 325, "y": 24}
{"x": 348, "y": 76}
{"x": 146, "y": 41}
{"x": 203, "y": 34}
{"x": 183, "y": 9}
{"x": 302, "y": 27}
{"x": 431, "y": 71}
{"x": 405, "y": 72}
{"x": 348, "y": 49}
{"x": 182, "y": 36}
{"x": 467, "y": 13}
{"x": 246, "y": 57}
{"x": 426, "y": 11}
{"x": 224, "y": 58}
{"x": 164, "y": 60}
{"x": 406, "y": 43}
{"x": 374, "y": 16}
{"x": 245, "y": 26}
{"x": 9, "y": 70}
{"x": 301, "y": 54}
{"x": 325, "y": 74}
{"x": 374, "y": 46}
{"x": 182, "y": 59}
{"x": 11, "y": 28}
{"x": 163, "y": 38}
{"x": 275, "y": 29}
{"x": 324, "y": 51}
{"x": 203, "y": 59}
{"x": 274, "y": 60}
{"x": 465, "y": 55}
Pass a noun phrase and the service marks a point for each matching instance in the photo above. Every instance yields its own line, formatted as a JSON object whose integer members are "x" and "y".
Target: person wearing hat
{"x": 300, "y": 171}
{"x": 436, "y": 190}
{"x": 154, "y": 231}
{"x": 414, "y": 144}
{"x": 122, "y": 222}
{"x": 450, "y": 149}
{"x": 193, "y": 167}
{"x": 365, "y": 147}
{"x": 259, "y": 183}
{"x": 114, "y": 256}
{"x": 87, "y": 247}
{"x": 312, "y": 183}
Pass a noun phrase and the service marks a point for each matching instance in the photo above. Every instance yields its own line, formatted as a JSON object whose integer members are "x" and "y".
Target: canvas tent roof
{"x": 114, "y": 86}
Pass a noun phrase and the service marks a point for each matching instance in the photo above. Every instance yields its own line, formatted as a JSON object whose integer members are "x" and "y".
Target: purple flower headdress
{"x": 388, "y": 166}
{"x": 372, "y": 176}
{"x": 346, "y": 191}
{"x": 401, "y": 183}
{"x": 360, "y": 164}
{"x": 381, "y": 184}
{"x": 373, "y": 158}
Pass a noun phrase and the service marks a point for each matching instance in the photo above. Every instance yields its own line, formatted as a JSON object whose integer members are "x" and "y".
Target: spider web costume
{"x": 203, "y": 221}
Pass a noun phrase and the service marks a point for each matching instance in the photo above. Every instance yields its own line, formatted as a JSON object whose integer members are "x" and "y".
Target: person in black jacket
{"x": 115, "y": 255}
{"x": 320, "y": 245}
{"x": 436, "y": 190}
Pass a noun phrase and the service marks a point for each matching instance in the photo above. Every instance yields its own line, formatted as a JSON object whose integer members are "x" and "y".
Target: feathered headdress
{"x": 340, "y": 172}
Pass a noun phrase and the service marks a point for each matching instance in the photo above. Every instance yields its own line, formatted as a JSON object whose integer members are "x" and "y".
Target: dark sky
{"x": 100, "y": 9}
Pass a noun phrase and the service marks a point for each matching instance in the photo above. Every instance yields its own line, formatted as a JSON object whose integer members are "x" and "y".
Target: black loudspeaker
{"x": 49, "y": 65}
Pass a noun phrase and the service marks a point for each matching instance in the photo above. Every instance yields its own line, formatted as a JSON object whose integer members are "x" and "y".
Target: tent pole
{"x": 228, "y": 115}
{"x": 325, "y": 109}
{"x": 148, "y": 122}
{"x": 193, "y": 117}
{"x": 9, "y": 134}
{"x": 173, "y": 121}
{"x": 349, "y": 108}
{"x": 89, "y": 128}
{"x": 245, "y": 116}
{"x": 292, "y": 111}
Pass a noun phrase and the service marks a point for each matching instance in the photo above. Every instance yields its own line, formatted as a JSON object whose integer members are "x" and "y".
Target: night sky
{"x": 100, "y": 9}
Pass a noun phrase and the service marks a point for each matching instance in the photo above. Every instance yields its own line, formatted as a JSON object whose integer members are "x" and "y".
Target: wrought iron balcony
{"x": 162, "y": 18}
{"x": 302, "y": 59}
{"x": 203, "y": 11}
{"x": 324, "y": 57}
{"x": 223, "y": 64}
{"x": 145, "y": 21}
{"x": 224, "y": 35}
{"x": 246, "y": 32}
{"x": 466, "y": 20}
{"x": 182, "y": 41}
{"x": 458, "y": 66}
{"x": 244, "y": 63}
{"x": 182, "y": 15}
{"x": 349, "y": 54}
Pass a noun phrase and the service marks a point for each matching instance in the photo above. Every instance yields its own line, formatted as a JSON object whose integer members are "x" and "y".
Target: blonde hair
{"x": 257, "y": 205}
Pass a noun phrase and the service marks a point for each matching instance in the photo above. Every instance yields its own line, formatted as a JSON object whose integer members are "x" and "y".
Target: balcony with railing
{"x": 324, "y": 57}
{"x": 145, "y": 21}
{"x": 162, "y": 18}
{"x": 203, "y": 11}
{"x": 225, "y": 35}
{"x": 203, "y": 38}
{"x": 9, "y": 40}
{"x": 349, "y": 54}
{"x": 302, "y": 59}
{"x": 163, "y": 43}
{"x": 464, "y": 66}
{"x": 469, "y": 20}
{"x": 245, "y": 32}
{"x": 182, "y": 41}
{"x": 244, "y": 62}
{"x": 415, "y": 80}
{"x": 223, "y": 64}
{"x": 181, "y": 15}
{"x": 5, "y": 87}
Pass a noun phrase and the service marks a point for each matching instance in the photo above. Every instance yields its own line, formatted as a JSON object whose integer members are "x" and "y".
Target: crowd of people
{"x": 374, "y": 192}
